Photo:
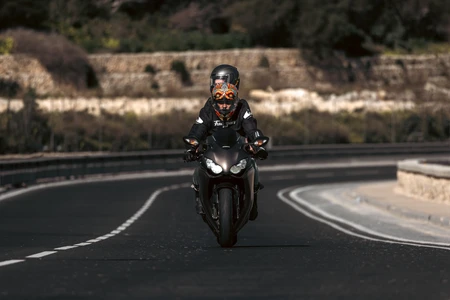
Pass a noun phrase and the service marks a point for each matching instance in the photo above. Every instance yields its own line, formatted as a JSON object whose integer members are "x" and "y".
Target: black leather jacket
{"x": 242, "y": 121}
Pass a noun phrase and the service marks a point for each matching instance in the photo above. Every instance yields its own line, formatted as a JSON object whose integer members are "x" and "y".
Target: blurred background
{"x": 131, "y": 75}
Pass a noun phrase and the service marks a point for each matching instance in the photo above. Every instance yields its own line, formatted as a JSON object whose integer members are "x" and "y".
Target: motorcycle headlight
{"x": 236, "y": 169}
{"x": 215, "y": 168}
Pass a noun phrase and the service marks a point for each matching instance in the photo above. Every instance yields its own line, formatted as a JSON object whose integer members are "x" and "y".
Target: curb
{"x": 402, "y": 212}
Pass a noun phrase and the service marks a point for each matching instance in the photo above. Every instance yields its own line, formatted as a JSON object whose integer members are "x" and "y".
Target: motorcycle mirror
{"x": 261, "y": 141}
{"x": 190, "y": 141}
{"x": 262, "y": 154}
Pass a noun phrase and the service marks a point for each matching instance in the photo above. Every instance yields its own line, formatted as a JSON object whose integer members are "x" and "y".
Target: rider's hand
{"x": 251, "y": 149}
{"x": 190, "y": 155}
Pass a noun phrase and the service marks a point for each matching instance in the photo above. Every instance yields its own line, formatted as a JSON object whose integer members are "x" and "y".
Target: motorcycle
{"x": 226, "y": 181}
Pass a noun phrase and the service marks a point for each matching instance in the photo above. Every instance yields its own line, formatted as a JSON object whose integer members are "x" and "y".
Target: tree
{"x": 23, "y": 13}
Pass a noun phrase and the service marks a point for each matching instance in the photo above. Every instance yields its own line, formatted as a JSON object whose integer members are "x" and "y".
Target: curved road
{"x": 141, "y": 239}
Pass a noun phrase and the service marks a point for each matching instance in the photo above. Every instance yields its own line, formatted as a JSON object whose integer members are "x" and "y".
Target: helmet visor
{"x": 220, "y": 79}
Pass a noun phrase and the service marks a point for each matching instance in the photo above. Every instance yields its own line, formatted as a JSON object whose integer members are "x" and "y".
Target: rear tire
{"x": 226, "y": 236}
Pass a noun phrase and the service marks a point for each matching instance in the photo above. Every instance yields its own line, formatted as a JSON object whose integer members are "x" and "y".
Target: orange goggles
{"x": 224, "y": 92}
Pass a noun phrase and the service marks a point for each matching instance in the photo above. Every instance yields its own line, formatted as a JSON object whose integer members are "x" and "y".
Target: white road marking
{"x": 159, "y": 174}
{"x": 388, "y": 239}
{"x": 41, "y": 254}
{"x": 106, "y": 178}
{"x": 83, "y": 244}
{"x": 66, "y": 248}
{"x": 10, "y": 262}
{"x": 118, "y": 230}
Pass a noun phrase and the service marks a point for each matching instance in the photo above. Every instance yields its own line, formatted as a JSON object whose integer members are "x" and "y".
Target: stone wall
{"x": 27, "y": 72}
{"x": 124, "y": 74}
{"x": 425, "y": 181}
{"x": 259, "y": 68}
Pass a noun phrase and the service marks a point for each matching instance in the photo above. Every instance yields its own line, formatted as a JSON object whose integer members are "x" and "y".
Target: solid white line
{"x": 10, "y": 262}
{"x": 338, "y": 227}
{"x": 106, "y": 178}
{"x": 41, "y": 254}
{"x": 66, "y": 248}
{"x": 294, "y": 194}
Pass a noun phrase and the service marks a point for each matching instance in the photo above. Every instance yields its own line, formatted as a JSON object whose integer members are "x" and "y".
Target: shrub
{"x": 67, "y": 63}
{"x": 149, "y": 69}
{"x": 6, "y": 45}
{"x": 264, "y": 62}
{"x": 180, "y": 68}
{"x": 9, "y": 88}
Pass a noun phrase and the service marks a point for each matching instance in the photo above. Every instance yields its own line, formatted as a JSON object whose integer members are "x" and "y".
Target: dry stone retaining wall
{"x": 280, "y": 68}
{"x": 425, "y": 181}
{"x": 27, "y": 72}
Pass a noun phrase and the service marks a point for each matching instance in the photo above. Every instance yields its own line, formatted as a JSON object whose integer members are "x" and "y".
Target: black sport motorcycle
{"x": 226, "y": 181}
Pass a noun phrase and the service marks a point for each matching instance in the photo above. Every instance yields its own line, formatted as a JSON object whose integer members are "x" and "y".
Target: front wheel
{"x": 226, "y": 236}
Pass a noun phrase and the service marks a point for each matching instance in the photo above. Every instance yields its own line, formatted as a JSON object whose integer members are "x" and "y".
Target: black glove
{"x": 190, "y": 155}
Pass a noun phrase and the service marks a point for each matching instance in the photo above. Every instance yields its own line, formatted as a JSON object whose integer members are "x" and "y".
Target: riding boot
{"x": 198, "y": 203}
{"x": 254, "y": 211}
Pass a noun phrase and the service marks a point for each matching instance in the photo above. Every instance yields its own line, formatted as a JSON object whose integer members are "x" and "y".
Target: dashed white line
{"x": 41, "y": 254}
{"x": 10, "y": 262}
{"x": 83, "y": 244}
{"x": 66, "y": 248}
{"x": 118, "y": 230}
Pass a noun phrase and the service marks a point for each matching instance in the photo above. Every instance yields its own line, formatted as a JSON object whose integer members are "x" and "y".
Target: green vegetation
{"x": 321, "y": 28}
{"x": 32, "y": 130}
{"x": 6, "y": 45}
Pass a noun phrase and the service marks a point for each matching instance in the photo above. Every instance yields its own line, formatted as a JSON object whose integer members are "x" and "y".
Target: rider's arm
{"x": 202, "y": 125}
{"x": 249, "y": 123}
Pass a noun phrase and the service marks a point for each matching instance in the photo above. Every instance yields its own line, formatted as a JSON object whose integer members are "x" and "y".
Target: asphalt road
{"x": 132, "y": 239}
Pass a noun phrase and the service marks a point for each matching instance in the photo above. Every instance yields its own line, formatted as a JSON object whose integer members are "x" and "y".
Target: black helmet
{"x": 227, "y": 73}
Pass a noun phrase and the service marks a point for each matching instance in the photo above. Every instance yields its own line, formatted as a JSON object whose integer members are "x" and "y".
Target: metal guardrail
{"x": 28, "y": 171}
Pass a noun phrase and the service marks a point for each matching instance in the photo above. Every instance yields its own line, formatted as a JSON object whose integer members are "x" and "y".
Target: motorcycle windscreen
{"x": 226, "y": 137}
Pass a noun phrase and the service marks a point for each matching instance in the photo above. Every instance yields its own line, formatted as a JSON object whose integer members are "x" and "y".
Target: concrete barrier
{"x": 425, "y": 179}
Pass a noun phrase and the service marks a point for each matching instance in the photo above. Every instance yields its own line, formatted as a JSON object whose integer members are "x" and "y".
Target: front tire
{"x": 226, "y": 236}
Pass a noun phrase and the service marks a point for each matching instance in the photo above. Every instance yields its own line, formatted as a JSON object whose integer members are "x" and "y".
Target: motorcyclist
{"x": 224, "y": 109}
